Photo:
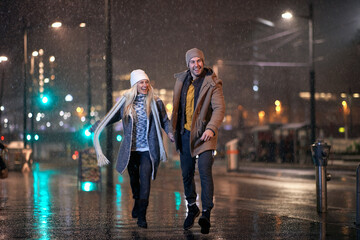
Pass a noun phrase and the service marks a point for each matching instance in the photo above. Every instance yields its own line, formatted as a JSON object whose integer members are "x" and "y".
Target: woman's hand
{"x": 171, "y": 137}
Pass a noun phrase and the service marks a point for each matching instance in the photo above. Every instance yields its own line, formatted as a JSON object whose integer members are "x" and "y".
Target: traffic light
{"x": 119, "y": 138}
{"x": 28, "y": 137}
{"x": 45, "y": 99}
{"x": 34, "y": 137}
{"x": 86, "y": 132}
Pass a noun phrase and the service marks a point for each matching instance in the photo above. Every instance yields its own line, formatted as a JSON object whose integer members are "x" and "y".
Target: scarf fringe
{"x": 102, "y": 160}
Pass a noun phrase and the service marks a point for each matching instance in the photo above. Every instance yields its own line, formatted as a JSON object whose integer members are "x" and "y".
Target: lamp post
{"x": 25, "y": 33}
{"x": 310, "y": 18}
{"x": 109, "y": 100}
{"x": 32, "y": 66}
{"x": 88, "y": 58}
{"x": 2, "y": 59}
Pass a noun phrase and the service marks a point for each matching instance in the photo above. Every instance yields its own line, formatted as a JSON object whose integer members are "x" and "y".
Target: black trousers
{"x": 140, "y": 169}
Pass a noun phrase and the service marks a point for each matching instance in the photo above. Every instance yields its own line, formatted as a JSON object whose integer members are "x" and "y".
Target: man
{"x": 198, "y": 111}
{"x": 3, "y": 168}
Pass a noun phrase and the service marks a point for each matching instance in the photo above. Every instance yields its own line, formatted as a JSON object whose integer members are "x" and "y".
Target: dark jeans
{"x": 139, "y": 169}
{"x": 205, "y": 162}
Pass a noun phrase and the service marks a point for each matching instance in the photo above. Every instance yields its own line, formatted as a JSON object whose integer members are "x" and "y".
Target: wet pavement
{"x": 253, "y": 203}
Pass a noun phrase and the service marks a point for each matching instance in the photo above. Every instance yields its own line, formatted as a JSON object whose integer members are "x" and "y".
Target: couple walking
{"x": 198, "y": 111}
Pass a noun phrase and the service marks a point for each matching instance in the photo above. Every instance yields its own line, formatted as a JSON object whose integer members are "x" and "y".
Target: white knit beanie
{"x": 137, "y": 75}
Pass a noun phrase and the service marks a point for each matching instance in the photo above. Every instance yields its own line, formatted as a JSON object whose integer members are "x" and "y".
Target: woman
{"x": 142, "y": 148}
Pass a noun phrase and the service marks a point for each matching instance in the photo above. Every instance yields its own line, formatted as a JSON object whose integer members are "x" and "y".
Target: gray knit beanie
{"x": 194, "y": 52}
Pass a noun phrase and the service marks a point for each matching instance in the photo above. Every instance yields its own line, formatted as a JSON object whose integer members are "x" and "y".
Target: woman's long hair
{"x": 130, "y": 96}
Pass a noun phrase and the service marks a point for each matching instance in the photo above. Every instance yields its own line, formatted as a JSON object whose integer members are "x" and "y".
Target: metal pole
{"x": 88, "y": 56}
{"x": 321, "y": 188}
{"x": 320, "y": 152}
{"x": 25, "y": 85}
{"x": 2, "y": 93}
{"x": 312, "y": 74}
{"x": 350, "y": 96}
{"x": 358, "y": 195}
{"x": 88, "y": 60}
{"x": 109, "y": 145}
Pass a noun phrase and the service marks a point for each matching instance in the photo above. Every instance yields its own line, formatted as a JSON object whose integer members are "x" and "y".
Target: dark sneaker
{"x": 143, "y": 204}
{"x": 204, "y": 222}
{"x": 141, "y": 222}
{"x": 193, "y": 212}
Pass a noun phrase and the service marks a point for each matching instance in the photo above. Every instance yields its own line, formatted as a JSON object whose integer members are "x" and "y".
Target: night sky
{"x": 154, "y": 36}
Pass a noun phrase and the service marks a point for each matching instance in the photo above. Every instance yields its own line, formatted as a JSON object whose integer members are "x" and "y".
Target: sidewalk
{"x": 337, "y": 170}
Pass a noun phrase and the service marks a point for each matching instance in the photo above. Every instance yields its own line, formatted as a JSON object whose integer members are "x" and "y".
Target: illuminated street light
{"x": 261, "y": 115}
{"x": 287, "y": 15}
{"x": 310, "y": 18}
{"x": 346, "y": 111}
{"x": 2, "y": 59}
{"x": 277, "y": 106}
{"x": 56, "y": 25}
{"x": 68, "y": 98}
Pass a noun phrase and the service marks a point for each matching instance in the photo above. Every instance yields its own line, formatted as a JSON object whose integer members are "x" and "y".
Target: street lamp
{"x": 109, "y": 87}
{"x": 2, "y": 59}
{"x": 88, "y": 58}
{"x": 310, "y": 18}
{"x": 25, "y": 37}
{"x": 32, "y": 67}
{"x": 56, "y": 24}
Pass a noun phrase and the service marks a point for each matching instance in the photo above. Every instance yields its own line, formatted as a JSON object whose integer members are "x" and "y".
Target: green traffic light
{"x": 119, "y": 138}
{"x": 87, "y": 133}
{"x": 28, "y": 137}
{"x": 36, "y": 137}
{"x": 45, "y": 100}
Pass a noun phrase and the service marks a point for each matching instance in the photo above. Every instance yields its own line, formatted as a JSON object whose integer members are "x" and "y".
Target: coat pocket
{"x": 200, "y": 127}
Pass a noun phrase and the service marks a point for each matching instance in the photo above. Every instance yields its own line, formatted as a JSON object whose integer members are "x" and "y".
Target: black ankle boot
{"x": 143, "y": 203}
{"x": 135, "y": 211}
{"x": 204, "y": 222}
{"x": 193, "y": 212}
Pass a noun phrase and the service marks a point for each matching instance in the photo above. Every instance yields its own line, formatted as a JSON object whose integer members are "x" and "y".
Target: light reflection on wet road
{"x": 47, "y": 204}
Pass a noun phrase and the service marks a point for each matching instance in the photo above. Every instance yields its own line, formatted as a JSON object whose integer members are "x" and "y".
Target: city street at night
{"x": 267, "y": 91}
{"x": 48, "y": 203}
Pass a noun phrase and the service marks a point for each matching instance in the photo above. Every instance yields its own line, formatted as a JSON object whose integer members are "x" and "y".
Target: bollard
{"x": 357, "y": 196}
{"x": 232, "y": 155}
{"x": 320, "y": 153}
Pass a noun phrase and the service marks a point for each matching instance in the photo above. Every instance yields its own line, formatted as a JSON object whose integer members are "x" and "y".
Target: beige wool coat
{"x": 208, "y": 114}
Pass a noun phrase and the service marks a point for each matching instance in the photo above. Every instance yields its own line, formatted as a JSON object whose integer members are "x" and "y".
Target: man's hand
{"x": 207, "y": 135}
